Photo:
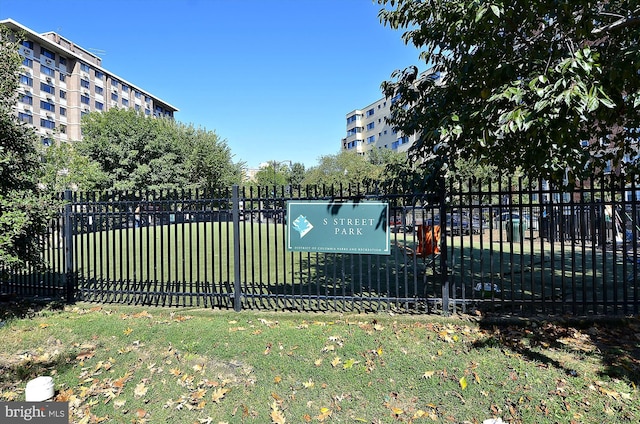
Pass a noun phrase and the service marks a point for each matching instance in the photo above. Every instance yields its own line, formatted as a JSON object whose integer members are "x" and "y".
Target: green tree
{"x": 24, "y": 210}
{"x": 297, "y": 174}
{"x": 64, "y": 168}
{"x": 138, "y": 152}
{"x": 342, "y": 168}
{"x": 520, "y": 84}
{"x": 210, "y": 161}
{"x": 274, "y": 173}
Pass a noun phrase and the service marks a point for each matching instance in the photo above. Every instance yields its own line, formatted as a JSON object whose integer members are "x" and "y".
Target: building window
{"x": 99, "y": 90}
{"x": 63, "y": 61}
{"x": 353, "y": 131}
{"x": 370, "y": 112}
{"x": 63, "y": 111}
{"x": 47, "y": 123}
{"x": 114, "y": 96}
{"x": 83, "y": 114}
{"x": 27, "y": 62}
{"x": 147, "y": 99}
{"x": 99, "y": 75}
{"x": 47, "y": 71}
{"x": 370, "y": 125}
{"x": 27, "y": 99}
{"x": 353, "y": 118}
{"x": 125, "y": 88}
{"x": 371, "y": 139}
{"x": 47, "y": 53}
{"x": 99, "y": 105}
{"x": 147, "y": 112}
{"x": 84, "y": 67}
{"x": 63, "y": 94}
{"x": 26, "y": 80}
{"x": 63, "y": 129}
{"x": 84, "y": 83}
{"x": 25, "y": 117}
{"x": 114, "y": 82}
{"x": 47, "y": 106}
{"x": 63, "y": 77}
{"x": 137, "y": 108}
{"x": 47, "y": 142}
{"x": 47, "y": 88}
{"x": 28, "y": 44}
{"x": 137, "y": 94}
{"x": 125, "y": 102}
{"x": 85, "y": 99}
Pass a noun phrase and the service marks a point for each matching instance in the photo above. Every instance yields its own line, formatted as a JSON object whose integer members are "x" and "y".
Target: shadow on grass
{"x": 615, "y": 340}
{"x": 16, "y": 307}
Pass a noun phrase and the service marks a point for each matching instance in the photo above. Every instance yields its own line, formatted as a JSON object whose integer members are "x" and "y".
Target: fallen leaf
{"x": 276, "y": 414}
{"x": 218, "y": 394}
{"x": 143, "y": 314}
{"x": 277, "y": 379}
{"x": 84, "y": 355}
{"x": 128, "y": 331}
{"x": 324, "y": 414}
{"x": 140, "y": 390}
{"x": 463, "y": 383}
{"x": 428, "y": 374}
{"x": 349, "y": 363}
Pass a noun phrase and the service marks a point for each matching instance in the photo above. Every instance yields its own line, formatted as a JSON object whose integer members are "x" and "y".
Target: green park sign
{"x": 338, "y": 227}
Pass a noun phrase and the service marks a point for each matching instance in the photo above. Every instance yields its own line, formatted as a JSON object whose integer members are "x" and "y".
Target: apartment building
{"x": 61, "y": 81}
{"x": 367, "y": 129}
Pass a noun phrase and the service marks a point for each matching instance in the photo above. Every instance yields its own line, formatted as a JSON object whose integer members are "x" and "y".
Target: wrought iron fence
{"x": 510, "y": 247}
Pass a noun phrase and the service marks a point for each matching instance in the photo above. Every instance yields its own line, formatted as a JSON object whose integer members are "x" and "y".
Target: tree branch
{"x": 617, "y": 25}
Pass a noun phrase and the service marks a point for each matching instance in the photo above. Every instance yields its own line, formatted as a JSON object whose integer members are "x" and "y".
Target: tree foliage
{"x": 520, "y": 84}
{"x": 274, "y": 173}
{"x": 24, "y": 210}
{"x": 66, "y": 169}
{"x": 351, "y": 168}
{"x": 137, "y": 152}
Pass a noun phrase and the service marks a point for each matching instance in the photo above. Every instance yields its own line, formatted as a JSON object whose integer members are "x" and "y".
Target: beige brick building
{"x": 60, "y": 82}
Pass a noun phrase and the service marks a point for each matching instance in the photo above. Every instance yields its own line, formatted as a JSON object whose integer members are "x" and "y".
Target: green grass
{"x": 127, "y": 364}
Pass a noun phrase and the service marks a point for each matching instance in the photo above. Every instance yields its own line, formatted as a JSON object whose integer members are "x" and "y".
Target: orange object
{"x": 428, "y": 240}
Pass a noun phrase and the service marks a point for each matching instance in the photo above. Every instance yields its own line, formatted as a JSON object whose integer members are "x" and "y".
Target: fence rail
{"x": 510, "y": 247}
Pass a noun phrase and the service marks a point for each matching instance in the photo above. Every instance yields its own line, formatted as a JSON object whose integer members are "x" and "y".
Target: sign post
{"x": 338, "y": 227}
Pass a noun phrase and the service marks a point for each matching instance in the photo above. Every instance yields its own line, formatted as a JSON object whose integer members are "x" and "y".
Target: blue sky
{"x": 278, "y": 76}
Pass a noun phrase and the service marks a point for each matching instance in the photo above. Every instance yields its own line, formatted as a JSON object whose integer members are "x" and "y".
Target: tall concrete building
{"x": 367, "y": 129}
{"x": 61, "y": 81}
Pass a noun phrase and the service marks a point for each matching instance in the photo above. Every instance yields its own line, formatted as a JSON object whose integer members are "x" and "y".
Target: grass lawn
{"x": 124, "y": 364}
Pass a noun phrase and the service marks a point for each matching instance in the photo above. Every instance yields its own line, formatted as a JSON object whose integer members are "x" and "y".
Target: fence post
{"x": 69, "y": 278}
{"x": 237, "y": 287}
{"x": 444, "y": 269}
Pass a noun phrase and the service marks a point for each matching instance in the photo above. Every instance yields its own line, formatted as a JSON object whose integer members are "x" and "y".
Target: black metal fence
{"x": 510, "y": 247}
